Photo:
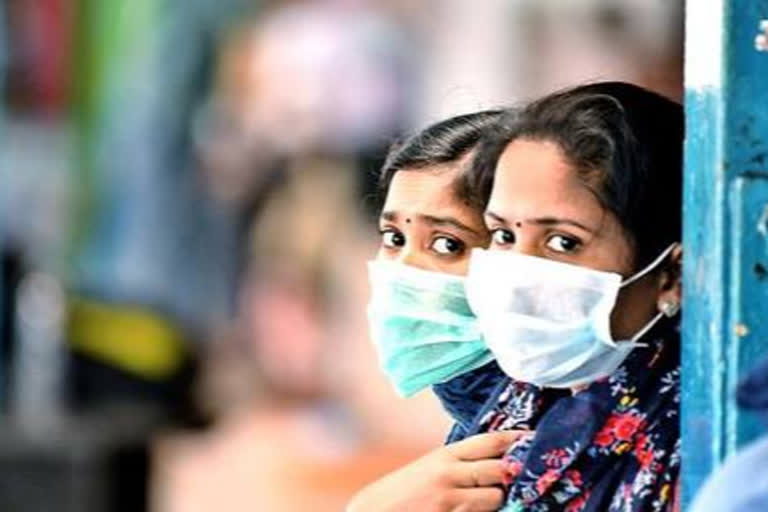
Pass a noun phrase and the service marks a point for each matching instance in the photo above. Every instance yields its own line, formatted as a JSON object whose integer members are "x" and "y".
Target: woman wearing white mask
{"x": 579, "y": 291}
{"x": 420, "y": 321}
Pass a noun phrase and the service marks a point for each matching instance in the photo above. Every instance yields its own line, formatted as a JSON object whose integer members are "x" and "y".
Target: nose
{"x": 526, "y": 244}
{"x": 412, "y": 256}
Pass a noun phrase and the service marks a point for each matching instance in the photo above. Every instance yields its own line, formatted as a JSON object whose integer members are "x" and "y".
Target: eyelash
{"x": 394, "y": 245}
{"x": 459, "y": 250}
{"x": 393, "y": 232}
{"x": 570, "y": 239}
{"x": 496, "y": 233}
{"x": 500, "y": 231}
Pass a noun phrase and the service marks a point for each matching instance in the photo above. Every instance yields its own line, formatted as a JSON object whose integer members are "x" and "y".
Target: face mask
{"x": 548, "y": 323}
{"x": 422, "y": 326}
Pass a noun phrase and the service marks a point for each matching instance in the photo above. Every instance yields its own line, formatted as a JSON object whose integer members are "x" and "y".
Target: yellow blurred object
{"x": 131, "y": 338}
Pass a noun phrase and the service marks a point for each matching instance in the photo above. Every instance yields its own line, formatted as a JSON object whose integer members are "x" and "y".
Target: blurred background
{"x": 187, "y": 202}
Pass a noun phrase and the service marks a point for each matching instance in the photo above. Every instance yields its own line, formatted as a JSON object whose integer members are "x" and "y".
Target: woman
{"x": 420, "y": 321}
{"x": 430, "y": 220}
{"x": 578, "y": 294}
{"x": 579, "y": 291}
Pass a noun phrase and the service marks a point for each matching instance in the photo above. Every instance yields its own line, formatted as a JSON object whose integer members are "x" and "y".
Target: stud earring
{"x": 669, "y": 308}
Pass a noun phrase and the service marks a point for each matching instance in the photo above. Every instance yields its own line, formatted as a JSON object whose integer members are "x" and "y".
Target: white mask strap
{"x": 644, "y": 330}
{"x": 669, "y": 310}
{"x": 649, "y": 268}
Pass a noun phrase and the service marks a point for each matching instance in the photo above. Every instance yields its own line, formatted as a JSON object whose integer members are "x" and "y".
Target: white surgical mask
{"x": 547, "y": 322}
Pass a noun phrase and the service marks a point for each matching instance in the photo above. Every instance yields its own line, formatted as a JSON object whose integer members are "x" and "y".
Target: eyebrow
{"x": 388, "y": 216}
{"x": 433, "y": 220}
{"x": 542, "y": 221}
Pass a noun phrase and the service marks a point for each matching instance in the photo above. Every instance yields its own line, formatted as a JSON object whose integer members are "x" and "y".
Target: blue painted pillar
{"x": 725, "y": 313}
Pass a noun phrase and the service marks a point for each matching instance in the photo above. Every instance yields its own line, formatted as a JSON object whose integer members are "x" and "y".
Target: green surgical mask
{"x": 422, "y": 327}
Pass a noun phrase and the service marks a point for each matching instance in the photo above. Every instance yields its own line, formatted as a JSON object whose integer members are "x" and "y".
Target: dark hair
{"x": 442, "y": 142}
{"x": 626, "y": 144}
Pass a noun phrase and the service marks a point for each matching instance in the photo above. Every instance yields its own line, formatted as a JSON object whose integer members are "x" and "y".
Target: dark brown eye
{"x": 392, "y": 239}
{"x": 502, "y": 237}
{"x": 561, "y": 243}
{"x": 447, "y": 245}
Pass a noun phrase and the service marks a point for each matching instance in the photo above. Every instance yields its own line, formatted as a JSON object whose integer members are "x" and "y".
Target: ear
{"x": 671, "y": 283}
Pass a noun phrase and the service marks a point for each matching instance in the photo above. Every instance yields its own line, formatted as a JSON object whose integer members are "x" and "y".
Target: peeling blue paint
{"x": 704, "y": 278}
{"x": 725, "y": 239}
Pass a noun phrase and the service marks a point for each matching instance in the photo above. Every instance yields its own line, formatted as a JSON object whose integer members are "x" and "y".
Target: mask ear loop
{"x": 649, "y": 268}
{"x": 668, "y": 309}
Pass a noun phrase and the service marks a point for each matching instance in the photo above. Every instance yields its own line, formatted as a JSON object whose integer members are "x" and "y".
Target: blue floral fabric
{"x": 613, "y": 446}
{"x": 464, "y": 396}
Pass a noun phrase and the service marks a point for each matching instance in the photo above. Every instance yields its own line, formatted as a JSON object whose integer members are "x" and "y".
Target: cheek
{"x": 384, "y": 254}
{"x": 613, "y": 251}
{"x": 459, "y": 266}
{"x": 635, "y": 306}
{"x": 462, "y": 266}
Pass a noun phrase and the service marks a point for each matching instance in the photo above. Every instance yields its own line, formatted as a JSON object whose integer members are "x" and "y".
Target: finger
{"x": 485, "y": 446}
{"x": 479, "y": 473}
{"x": 483, "y": 499}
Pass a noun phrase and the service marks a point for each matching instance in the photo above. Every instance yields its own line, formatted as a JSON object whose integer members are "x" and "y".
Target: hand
{"x": 460, "y": 477}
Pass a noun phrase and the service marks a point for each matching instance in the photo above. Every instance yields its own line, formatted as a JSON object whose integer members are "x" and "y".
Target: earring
{"x": 669, "y": 308}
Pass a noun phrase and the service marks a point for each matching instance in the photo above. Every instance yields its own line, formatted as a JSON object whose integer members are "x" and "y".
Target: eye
{"x": 392, "y": 239}
{"x": 502, "y": 237}
{"x": 447, "y": 245}
{"x": 565, "y": 244}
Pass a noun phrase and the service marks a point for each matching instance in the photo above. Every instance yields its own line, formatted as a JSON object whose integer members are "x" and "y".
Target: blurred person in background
{"x": 305, "y": 77}
{"x": 291, "y": 433}
{"x": 185, "y": 159}
{"x": 301, "y": 93}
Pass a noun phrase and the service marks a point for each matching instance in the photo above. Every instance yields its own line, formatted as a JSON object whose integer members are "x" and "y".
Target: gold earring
{"x": 669, "y": 308}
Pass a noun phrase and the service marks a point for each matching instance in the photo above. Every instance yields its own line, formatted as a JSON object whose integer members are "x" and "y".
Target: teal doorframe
{"x": 725, "y": 239}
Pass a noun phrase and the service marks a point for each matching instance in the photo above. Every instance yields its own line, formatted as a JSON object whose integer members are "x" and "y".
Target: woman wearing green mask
{"x": 430, "y": 221}
{"x": 421, "y": 324}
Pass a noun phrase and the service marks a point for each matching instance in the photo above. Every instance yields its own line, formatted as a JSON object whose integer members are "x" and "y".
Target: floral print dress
{"x": 614, "y": 446}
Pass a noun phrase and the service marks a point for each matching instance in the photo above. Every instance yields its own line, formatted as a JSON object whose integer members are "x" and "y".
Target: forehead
{"x": 534, "y": 179}
{"x": 426, "y": 191}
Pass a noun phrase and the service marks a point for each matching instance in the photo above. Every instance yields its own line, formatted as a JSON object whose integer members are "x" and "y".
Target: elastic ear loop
{"x": 669, "y": 312}
{"x": 668, "y": 309}
{"x": 649, "y": 268}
